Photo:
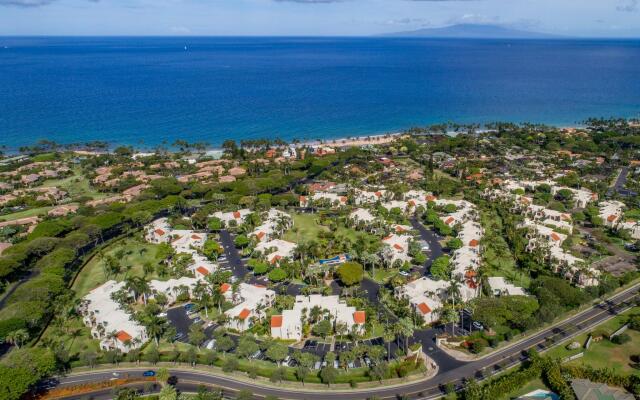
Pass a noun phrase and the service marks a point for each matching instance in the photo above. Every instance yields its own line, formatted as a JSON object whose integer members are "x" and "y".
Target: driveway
{"x": 432, "y": 238}
{"x": 234, "y": 260}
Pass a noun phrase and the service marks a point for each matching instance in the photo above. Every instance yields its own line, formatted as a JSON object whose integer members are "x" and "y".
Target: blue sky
{"x": 593, "y": 18}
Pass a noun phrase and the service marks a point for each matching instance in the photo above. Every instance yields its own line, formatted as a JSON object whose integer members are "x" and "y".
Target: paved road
{"x": 618, "y": 186}
{"x": 432, "y": 238}
{"x": 427, "y": 389}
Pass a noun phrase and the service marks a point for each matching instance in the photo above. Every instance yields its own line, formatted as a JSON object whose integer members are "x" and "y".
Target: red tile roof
{"x": 236, "y": 214}
{"x": 195, "y": 237}
{"x": 473, "y": 243}
{"x": 424, "y": 308}
{"x": 260, "y": 235}
{"x": 276, "y": 258}
{"x": 555, "y": 236}
{"x": 159, "y": 232}
{"x": 449, "y": 220}
{"x": 431, "y": 197}
{"x": 224, "y": 287}
{"x": 611, "y": 218}
{"x": 123, "y": 336}
{"x": 397, "y": 246}
{"x": 244, "y": 314}
{"x": 203, "y": 271}
{"x": 378, "y": 194}
{"x": 412, "y": 203}
{"x": 359, "y": 317}
{"x": 276, "y": 321}
{"x": 400, "y": 229}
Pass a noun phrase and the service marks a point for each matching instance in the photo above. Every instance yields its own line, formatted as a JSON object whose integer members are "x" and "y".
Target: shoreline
{"x": 339, "y": 141}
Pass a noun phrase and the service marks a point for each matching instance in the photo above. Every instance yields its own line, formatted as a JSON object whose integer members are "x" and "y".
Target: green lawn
{"x": 305, "y": 228}
{"x": 528, "y": 388}
{"x": 382, "y": 275}
{"x": 604, "y": 353}
{"x": 134, "y": 253}
{"x": 76, "y": 185}
{"x": 25, "y": 214}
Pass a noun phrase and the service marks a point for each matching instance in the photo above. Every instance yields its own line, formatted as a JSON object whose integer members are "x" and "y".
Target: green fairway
{"x": 132, "y": 254}
{"x": 76, "y": 185}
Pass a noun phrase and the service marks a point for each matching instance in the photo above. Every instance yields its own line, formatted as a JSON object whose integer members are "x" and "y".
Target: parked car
{"x": 477, "y": 325}
{"x": 197, "y": 320}
{"x": 149, "y": 373}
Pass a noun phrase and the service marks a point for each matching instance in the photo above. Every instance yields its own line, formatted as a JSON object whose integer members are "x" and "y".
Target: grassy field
{"x": 25, "y": 214}
{"x": 528, "y": 388}
{"x": 498, "y": 257}
{"x": 76, "y": 185}
{"x": 305, "y": 228}
{"x": 605, "y": 353}
{"x": 132, "y": 253}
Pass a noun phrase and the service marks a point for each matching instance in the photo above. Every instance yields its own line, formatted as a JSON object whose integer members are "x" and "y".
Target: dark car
{"x": 149, "y": 373}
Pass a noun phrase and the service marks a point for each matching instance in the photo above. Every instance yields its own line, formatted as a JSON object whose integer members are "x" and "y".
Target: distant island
{"x": 474, "y": 31}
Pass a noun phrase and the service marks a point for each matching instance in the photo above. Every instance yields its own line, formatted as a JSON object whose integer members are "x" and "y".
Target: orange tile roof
{"x": 236, "y": 214}
{"x": 343, "y": 199}
{"x": 244, "y": 314}
{"x": 473, "y": 243}
{"x": 276, "y": 321}
{"x": 555, "y": 236}
{"x": 449, "y": 220}
{"x": 400, "y": 229}
{"x": 203, "y": 271}
{"x": 195, "y": 237}
{"x": 611, "y": 218}
{"x": 397, "y": 246}
{"x": 303, "y": 199}
{"x": 412, "y": 203}
{"x": 470, "y": 273}
{"x": 431, "y": 198}
{"x": 359, "y": 317}
{"x": 159, "y": 232}
{"x": 378, "y": 194}
{"x": 224, "y": 287}
{"x": 123, "y": 336}
{"x": 276, "y": 258}
{"x": 260, "y": 235}
{"x": 424, "y": 308}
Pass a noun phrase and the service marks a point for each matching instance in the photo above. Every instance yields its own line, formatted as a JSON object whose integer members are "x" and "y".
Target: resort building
{"x": 276, "y": 250}
{"x": 362, "y": 197}
{"x": 108, "y": 322}
{"x": 425, "y": 296}
{"x": 396, "y": 249}
{"x": 501, "y": 287}
{"x": 236, "y": 216}
{"x": 249, "y": 304}
{"x": 275, "y": 223}
{"x": 323, "y": 199}
{"x": 289, "y": 325}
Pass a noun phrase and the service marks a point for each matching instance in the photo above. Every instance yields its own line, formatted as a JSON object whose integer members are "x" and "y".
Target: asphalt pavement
{"x": 455, "y": 372}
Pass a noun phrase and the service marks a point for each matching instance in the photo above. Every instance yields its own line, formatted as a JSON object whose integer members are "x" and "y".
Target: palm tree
{"x": 388, "y": 336}
{"x": 18, "y": 337}
{"x": 405, "y": 328}
{"x": 155, "y": 327}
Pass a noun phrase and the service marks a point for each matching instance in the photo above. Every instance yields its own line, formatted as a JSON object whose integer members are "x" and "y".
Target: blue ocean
{"x": 146, "y": 91}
